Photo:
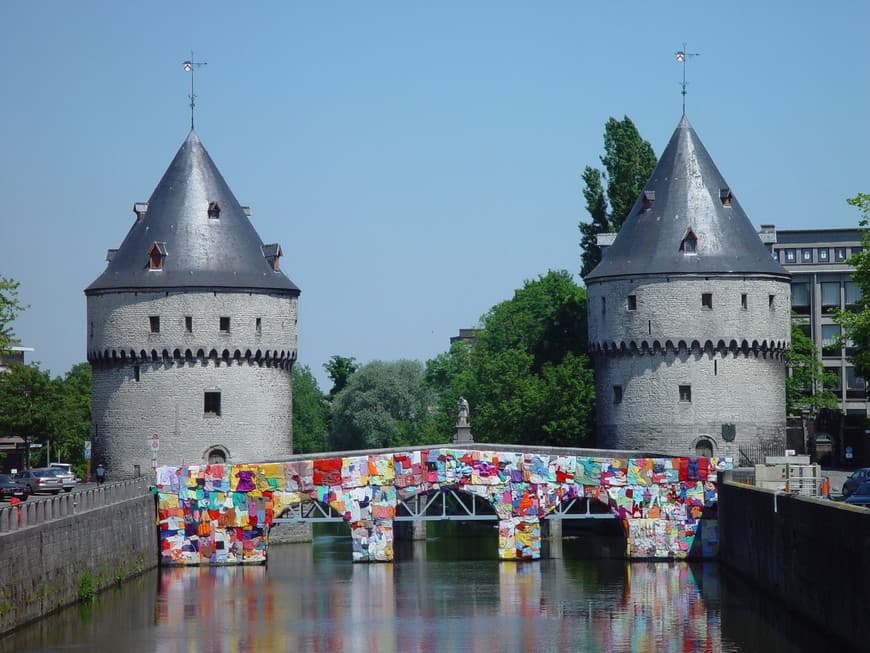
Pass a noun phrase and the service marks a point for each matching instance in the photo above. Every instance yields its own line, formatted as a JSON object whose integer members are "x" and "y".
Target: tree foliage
{"x": 10, "y": 307}
{"x": 310, "y": 412}
{"x": 807, "y": 385}
{"x": 339, "y": 369}
{"x": 384, "y": 404}
{"x": 856, "y": 321}
{"x": 628, "y": 162}
{"x": 55, "y": 413}
{"x": 526, "y": 376}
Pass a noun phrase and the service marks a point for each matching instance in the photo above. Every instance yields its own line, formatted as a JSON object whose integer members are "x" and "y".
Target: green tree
{"x": 526, "y": 375}
{"x": 384, "y": 404}
{"x": 339, "y": 369}
{"x": 806, "y": 387}
{"x": 10, "y": 307}
{"x": 856, "y": 321}
{"x": 628, "y": 162}
{"x": 310, "y": 412}
{"x": 27, "y": 395}
{"x": 69, "y": 416}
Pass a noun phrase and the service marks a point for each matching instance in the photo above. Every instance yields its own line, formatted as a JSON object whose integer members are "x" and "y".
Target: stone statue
{"x": 463, "y": 412}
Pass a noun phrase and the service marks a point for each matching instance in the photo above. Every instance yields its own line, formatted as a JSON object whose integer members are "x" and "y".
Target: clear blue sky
{"x": 417, "y": 161}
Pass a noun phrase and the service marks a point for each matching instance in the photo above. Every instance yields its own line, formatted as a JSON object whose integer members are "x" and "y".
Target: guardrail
{"x": 39, "y": 511}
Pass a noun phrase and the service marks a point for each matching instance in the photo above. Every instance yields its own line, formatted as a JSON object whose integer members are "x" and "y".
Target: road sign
{"x": 154, "y": 442}
{"x": 87, "y": 449}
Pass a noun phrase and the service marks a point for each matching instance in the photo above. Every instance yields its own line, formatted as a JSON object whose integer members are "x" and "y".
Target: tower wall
{"x": 731, "y": 358}
{"x": 250, "y": 369}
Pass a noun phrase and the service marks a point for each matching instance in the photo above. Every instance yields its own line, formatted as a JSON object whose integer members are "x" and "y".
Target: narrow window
{"x": 649, "y": 326}
{"x": 617, "y": 394}
{"x": 154, "y": 323}
{"x": 706, "y": 300}
{"x": 689, "y": 244}
{"x": 632, "y": 302}
{"x": 214, "y": 210}
{"x": 744, "y": 302}
{"x": 685, "y": 393}
{"x": 715, "y": 367}
{"x": 259, "y": 325}
{"x": 856, "y": 250}
{"x": 91, "y": 330}
{"x": 824, "y": 254}
{"x": 806, "y": 255}
{"x": 136, "y": 373}
{"x": 790, "y": 255}
{"x": 225, "y": 325}
{"x": 603, "y": 305}
{"x": 770, "y": 302}
{"x": 840, "y": 254}
{"x": 212, "y": 404}
{"x": 188, "y": 324}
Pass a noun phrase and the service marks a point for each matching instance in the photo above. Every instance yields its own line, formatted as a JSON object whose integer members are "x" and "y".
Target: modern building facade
{"x": 191, "y": 331}
{"x": 821, "y": 285}
{"x": 689, "y": 318}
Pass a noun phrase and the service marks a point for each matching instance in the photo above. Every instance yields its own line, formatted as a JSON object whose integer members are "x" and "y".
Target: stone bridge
{"x": 222, "y": 514}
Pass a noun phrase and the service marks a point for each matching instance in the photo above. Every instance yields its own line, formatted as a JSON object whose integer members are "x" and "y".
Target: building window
{"x": 212, "y": 403}
{"x": 834, "y": 381}
{"x": 154, "y": 323}
{"x": 225, "y": 325}
{"x": 214, "y": 210}
{"x": 839, "y": 254}
{"x": 790, "y": 255}
{"x": 854, "y": 384}
{"x": 156, "y": 255}
{"x": 853, "y": 296}
{"x": 632, "y": 302}
{"x": 689, "y": 244}
{"x": 603, "y": 305}
{"x": 771, "y": 303}
{"x": 744, "y": 301}
{"x": 800, "y": 298}
{"x": 775, "y": 254}
{"x": 617, "y": 394}
{"x": 830, "y": 340}
{"x": 258, "y": 326}
{"x": 136, "y": 373}
{"x": 188, "y": 324}
{"x": 823, "y": 254}
{"x": 856, "y": 250}
{"x": 830, "y": 296}
{"x": 706, "y": 300}
{"x": 725, "y": 196}
{"x": 685, "y": 393}
{"x": 807, "y": 255}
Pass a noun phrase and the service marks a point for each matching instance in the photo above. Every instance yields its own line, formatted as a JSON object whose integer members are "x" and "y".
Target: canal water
{"x": 446, "y": 594}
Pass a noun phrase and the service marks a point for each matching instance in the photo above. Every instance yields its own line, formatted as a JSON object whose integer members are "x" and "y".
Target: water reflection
{"x": 438, "y": 596}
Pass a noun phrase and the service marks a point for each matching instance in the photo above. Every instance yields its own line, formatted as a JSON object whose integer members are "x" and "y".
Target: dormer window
{"x": 689, "y": 245}
{"x": 725, "y": 196}
{"x": 156, "y": 255}
{"x": 272, "y": 252}
{"x": 648, "y": 199}
{"x": 214, "y": 210}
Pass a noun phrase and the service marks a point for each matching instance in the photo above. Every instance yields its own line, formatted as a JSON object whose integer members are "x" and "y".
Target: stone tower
{"x": 688, "y": 318}
{"x": 191, "y": 331}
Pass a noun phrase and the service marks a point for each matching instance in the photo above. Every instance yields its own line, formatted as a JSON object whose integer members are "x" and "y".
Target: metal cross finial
{"x": 682, "y": 56}
{"x": 189, "y": 66}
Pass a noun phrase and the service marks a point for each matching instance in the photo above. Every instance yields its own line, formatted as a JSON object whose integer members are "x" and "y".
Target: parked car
{"x": 69, "y": 479}
{"x": 855, "y": 479}
{"x": 41, "y": 479}
{"x": 9, "y": 488}
{"x": 861, "y": 495}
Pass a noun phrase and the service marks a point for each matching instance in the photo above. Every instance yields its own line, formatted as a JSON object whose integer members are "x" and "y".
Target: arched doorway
{"x": 704, "y": 448}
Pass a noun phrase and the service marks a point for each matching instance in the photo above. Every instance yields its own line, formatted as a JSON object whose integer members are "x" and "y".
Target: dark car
{"x": 9, "y": 488}
{"x": 40, "y": 480}
{"x": 855, "y": 479}
{"x": 861, "y": 495}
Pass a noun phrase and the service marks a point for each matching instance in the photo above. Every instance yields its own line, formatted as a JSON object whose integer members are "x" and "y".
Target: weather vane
{"x": 682, "y": 55}
{"x": 189, "y": 66}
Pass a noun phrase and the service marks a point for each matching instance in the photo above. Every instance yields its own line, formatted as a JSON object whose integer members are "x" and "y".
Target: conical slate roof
{"x": 199, "y": 229}
{"x": 686, "y": 198}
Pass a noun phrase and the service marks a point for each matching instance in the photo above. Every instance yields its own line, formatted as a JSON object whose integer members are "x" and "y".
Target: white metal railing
{"x": 38, "y": 510}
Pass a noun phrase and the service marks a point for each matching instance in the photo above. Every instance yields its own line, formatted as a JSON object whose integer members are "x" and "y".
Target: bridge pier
{"x": 553, "y": 535}
{"x": 410, "y": 530}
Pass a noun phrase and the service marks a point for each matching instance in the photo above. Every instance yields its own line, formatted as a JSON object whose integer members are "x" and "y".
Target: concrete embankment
{"x": 65, "y": 550}
{"x": 811, "y": 554}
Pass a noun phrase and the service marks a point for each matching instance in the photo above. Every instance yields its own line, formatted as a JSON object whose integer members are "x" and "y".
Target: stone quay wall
{"x": 811, "y": 554}
{"x": 62, "y": 551}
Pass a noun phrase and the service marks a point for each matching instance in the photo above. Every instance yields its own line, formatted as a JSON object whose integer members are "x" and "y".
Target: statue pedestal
{"x": 462, "y": 435}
